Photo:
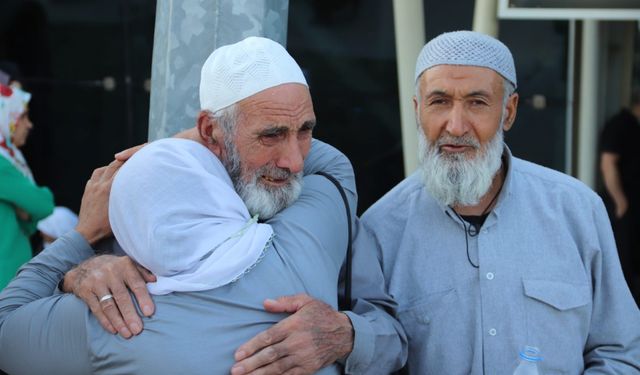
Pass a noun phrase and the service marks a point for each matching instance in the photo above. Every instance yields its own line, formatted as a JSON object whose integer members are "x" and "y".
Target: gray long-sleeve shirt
{"x": 191, "y": 333}
{"x": 548, "y": 277}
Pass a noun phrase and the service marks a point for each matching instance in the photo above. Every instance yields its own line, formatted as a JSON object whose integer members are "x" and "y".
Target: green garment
{"x": 16, "y": 190}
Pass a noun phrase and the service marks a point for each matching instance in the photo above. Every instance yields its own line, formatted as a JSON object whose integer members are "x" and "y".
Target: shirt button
{"x": 493, "y": 332}
{"x": 490, "y": 275}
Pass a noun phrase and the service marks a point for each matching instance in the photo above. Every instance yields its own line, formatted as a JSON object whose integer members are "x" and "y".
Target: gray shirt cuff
{"x": 363, "y": 345}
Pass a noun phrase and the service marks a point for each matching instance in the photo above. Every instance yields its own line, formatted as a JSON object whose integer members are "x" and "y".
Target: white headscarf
{"x": 13, "y": 103}
{"x": 174, "y": 210}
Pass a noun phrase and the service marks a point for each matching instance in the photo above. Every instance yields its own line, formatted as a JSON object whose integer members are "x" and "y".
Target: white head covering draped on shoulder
{"x": 174, "y": 210}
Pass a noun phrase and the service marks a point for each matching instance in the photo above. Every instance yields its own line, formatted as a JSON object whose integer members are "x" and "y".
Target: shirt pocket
{"x": 560, "y": 295}
{"x": 557, "y": 315}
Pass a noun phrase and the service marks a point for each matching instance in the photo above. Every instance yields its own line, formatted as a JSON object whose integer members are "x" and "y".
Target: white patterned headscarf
{"x": 13, "y": 103}
{"x": 173, "y": 209}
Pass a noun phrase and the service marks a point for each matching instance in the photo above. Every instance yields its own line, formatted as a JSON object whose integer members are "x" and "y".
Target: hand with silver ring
{"x": 106, "y": 297}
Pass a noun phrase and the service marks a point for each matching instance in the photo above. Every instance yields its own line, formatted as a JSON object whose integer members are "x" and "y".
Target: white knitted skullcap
{"x": 237, "y": 71}
{"x": 467, "y": 48}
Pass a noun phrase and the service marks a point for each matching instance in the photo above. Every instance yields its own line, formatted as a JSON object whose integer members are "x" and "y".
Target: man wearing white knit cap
{"x": 257, "y": 119}
{"x": 487, "y": 255}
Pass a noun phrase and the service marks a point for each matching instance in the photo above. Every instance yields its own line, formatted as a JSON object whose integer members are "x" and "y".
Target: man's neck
{"x": 488, "y": 200}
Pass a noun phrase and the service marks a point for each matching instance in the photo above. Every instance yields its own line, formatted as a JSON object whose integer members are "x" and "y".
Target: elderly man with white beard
{"x": 488, "y": 255}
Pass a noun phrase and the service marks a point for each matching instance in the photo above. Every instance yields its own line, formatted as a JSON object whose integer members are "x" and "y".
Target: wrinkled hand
{"x": 313, "y": 337}
{"x": 93, "y": 219}
{"x": 115, "y": 275}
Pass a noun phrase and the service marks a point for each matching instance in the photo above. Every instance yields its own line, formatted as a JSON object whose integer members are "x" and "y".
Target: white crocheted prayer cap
{"x": 467, "y": 48}
{"x": 237, "y": 71}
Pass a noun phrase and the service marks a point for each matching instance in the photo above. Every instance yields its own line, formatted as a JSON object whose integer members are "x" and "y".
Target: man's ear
{"x": 210, "y": 133}
{"x": 511, "y": 108}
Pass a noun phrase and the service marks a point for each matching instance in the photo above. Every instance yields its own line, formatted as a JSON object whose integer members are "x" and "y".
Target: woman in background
{"x": 22, "y": 202}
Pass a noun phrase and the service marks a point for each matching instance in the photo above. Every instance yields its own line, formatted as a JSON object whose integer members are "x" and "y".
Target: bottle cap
{"x": 531, "y": 354}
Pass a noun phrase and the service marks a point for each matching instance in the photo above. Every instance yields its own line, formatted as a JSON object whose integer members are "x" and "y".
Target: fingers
{"x": 262, "y": 340}
{"x": 289, "y": 304}
{"x": 112, "y": 310}
{"x": 93, "y": 219}
{"x": 96, "y": 310}
{"x": 131, "y": 279}
{"x": 110, "y": 170}
{"x": 113, "y": 275}
{"x": 268, "y": 361}
{"x": 126, "y": 154}
{"x": 313, "y": 337}
{"x": 146, "y": 274}
{"x": 137, "y": 284}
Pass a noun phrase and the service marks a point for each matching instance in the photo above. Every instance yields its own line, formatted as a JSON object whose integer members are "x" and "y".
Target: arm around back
{"x": 42, "y": 331}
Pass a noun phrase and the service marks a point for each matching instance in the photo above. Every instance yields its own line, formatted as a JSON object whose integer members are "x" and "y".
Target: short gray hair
{"x": 227, "y": 119}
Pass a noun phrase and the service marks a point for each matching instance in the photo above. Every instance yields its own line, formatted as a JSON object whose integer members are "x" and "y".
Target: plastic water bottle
{"x": 529, "y": 359}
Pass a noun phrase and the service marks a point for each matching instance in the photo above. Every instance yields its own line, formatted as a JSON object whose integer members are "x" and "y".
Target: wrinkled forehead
{"x": 287, "y": 103}
{"x": 450, "y": 78}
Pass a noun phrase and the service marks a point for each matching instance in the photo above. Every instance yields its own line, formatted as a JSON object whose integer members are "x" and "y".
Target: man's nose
{"x": 292, "y": 157}
{"x": 457, "y": 124}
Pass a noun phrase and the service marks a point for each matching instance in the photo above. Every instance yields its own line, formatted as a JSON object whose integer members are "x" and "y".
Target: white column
{"x": 186, "y": 32}
{"x": 588, "y": 111}
{"x": 408, "y": 16}
{"x": 628, "y": 49}
{"x": 485, "y": 17}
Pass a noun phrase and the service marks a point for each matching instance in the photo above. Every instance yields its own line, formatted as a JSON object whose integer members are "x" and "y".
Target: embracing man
{"x": 232, "y": 216}
{"x": 484, "y": 254}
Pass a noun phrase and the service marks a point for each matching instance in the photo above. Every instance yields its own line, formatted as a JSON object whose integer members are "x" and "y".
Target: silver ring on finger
{"x": 106, "y": 297}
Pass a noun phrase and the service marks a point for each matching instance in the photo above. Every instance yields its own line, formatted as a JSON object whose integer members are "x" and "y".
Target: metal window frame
{"x": 507, "y": 12}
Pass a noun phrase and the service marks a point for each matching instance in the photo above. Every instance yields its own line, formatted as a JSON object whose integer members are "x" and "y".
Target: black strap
{"x": 345, "y": 302}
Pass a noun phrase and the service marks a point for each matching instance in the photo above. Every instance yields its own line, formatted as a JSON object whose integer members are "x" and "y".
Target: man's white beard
{"x": 451, "y": 178}
{"x": 262, "y": 200}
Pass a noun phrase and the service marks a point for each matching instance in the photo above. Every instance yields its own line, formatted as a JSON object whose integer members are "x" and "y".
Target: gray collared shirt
{"x": 548, "y": 276}
{"x": 42, "y": 332}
